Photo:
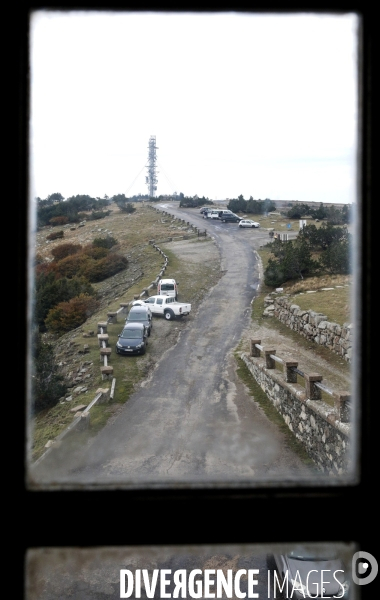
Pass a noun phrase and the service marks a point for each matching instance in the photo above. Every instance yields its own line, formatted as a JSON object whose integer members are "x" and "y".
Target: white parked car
{"x": 248, "y": 223}
{"x": 213, "y": 214}
{"x": 167, "y": 287}
{"x": 168, "y": 307}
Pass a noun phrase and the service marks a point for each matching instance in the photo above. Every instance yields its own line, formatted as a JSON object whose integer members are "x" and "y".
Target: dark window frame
{"x": 220, "y": 515}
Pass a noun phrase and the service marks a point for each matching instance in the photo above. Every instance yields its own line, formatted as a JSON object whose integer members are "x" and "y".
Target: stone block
{"x": 106, "y": 372}
{"x": 102, "y": 327}
{"x": 104, "y": 352}
{"x": 84, "y": 421}
{"x": 103, "y": 339}
{"x": 255, "y": 351}
{"x": 312, "y": 391}
{"x": 342, "y": 406}
{"x": 105, "y": 395}
{"x": 290, "y": 374}
{"x": 269, "y": 361}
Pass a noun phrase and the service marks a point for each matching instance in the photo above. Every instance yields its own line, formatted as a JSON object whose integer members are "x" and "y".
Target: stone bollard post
{"x": 107, "y": 372}
{"x": 112, "y": 317}
{"x": 290, "y": 374}
{"x": 105, "y": 395}
{"x": 103, "y": 337}
{"x": 102, "y": 325}
{"x": 255, "y": 351}
{"x": 124, "y": 306}
{"x": 312, "y": 391}
{"x": 341, "y": 404}
{"x": 270, "y": 363}
{"x": 104, "y": 352}
{"x": 84, "y": 421}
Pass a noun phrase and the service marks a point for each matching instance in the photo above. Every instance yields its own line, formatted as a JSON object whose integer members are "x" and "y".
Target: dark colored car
{"x": 140, "y": 314}
{"x": 132, "y": 340}
{"x": 312, "y": 574}
{"x": 230, "y": 218}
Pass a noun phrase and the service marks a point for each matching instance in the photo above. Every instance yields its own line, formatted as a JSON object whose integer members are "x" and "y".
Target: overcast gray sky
{"x": 260, "y": 105}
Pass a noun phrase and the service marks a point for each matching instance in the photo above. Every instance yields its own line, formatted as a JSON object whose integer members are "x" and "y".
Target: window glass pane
{"x": 255, "y": 382}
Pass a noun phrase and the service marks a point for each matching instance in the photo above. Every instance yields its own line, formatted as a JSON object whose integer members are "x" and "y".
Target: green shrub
{"x": 64, "y": 250}
{"x": 47, "y": 384}
{"x": 115, "y": 263}
{"x": 274, "y": 274}
{"x": 95, "y": 252}
{"x": 71, "y": 266}
{"x": 292, "y": 260}
{"x": 127, "y": 208}
{"x": 56, "y": 235}
{"x": 94, "y": 270}
{"x": 70, "y": 315}
{"x": 104, "y": 242}
{"x": 336, "y": 259}
{"x": 96, "y": 215}
{"x": 98, "y": 270}
{"x": 61, "y": 220}
{"x": 51, "y": 290}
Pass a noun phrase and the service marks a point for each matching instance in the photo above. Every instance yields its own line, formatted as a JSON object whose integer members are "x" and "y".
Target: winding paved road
{"x": 192, "y": 422}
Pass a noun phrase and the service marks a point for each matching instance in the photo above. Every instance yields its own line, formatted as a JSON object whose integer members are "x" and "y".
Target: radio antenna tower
{"x": 151, "y": 178}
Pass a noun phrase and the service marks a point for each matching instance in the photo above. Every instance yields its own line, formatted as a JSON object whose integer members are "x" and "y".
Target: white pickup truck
{"x": 167, "y": 306}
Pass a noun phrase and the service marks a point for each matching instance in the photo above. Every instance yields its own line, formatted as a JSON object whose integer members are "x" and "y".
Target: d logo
{"x": 364, "y": 568}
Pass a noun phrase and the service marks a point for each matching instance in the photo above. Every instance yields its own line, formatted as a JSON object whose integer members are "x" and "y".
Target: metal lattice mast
{"x": 151, "y": 179}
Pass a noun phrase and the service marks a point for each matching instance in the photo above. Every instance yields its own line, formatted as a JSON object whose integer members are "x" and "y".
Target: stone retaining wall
{"x": 312, "y": 325}
{"x": 314, "y": 423}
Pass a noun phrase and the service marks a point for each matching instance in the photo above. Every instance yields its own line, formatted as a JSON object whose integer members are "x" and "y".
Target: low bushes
{"x": 62, "y": 220}
{"x": 64, "y": 250}
{"x": 69, "y": 276}
{"x": 55, "y": 235}
{"x": 70, "y": 315}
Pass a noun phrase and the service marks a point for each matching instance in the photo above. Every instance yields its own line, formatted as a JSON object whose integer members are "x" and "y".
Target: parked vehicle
{"x": 168, "y": 307}
{"x": 225, "y": 212}
{"x": 213, "y": 214}
{"x": 140, "y": 314}
{"x": 230, "y": 218}
{"x": 167, "y": 287}
{"x": 317, "y": 574}
{"x": 133, "y": 339}
{"x": 248, "y": 223}
{"x": 141, "y": 303}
